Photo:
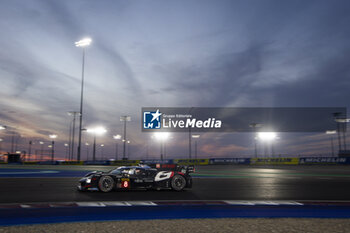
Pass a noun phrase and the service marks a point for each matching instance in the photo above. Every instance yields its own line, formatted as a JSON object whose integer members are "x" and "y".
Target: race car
{"x": 158, "y": 176}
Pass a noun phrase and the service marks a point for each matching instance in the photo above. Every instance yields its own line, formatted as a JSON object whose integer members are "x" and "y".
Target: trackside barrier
{"x": 274, "y": 161}
{"x": 97, "y": 162}
{"x": 229, "y": 161}
{"x": 192, "y": 161}
{"x": 70, "y": 162}
{"x": 125, "y": 162}
{"x": 324, "y": 160}
{"x": 30, "y": 162}
{"x": 48, "y": 162}
{"x": 153, "y": 161}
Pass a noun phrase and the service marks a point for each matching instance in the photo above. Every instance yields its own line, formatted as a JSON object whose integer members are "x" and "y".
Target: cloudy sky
{"x": 201, "y": 53}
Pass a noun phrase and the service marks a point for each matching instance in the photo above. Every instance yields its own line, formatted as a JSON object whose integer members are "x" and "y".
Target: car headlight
{"x": 88, "y": 180}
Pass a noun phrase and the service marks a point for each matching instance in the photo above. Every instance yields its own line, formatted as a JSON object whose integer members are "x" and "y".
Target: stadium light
{"x": 117, "y": 137}
{"x": 84, "y": 42}
{"x": 53, "y": 136}
{"x": 267, "y": 136}
{"x": 161, "y": 136}
{"x": 97, "y": 130}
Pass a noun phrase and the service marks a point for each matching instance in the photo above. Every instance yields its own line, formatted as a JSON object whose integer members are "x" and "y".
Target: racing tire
{"x": 106, "y": 184}
{"x": 178, "y": 183}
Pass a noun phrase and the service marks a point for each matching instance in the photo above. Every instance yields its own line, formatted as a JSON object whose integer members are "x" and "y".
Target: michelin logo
{"x": 152, "y": 120}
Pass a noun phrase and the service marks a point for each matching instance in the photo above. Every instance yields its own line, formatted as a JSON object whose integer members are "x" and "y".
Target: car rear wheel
{"x": 106, "y": 184}
{"x": 178, "y": 183}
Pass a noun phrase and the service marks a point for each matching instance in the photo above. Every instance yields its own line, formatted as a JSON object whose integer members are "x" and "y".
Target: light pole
{"x": 117, "y": 138}
{"x": 331, "y": 133}
{"x": 102, "y": 145}
{"x": 189, "y": 138}
{"x": 336, "y": 116}
{"x": 96, "y": 131}
{"x": 66, "y": 145}
{"x": 254, "y": 126}
{"x": 42, "y": 150}
{"x": 341, "y": 125}
{"x": 2, "y": 127}
{"x": 189, "y": 143}
{"x": 162, "y": 137}
{"x": 51, "y": 147}
{"x": 30, "y": 150}
{"x": 82, "y": 43}
{"x": 52, "y": 136}
{"x": 195, "y": 136}
{"x": 87, "y": 151}
{"x": 71, "y": 143}
{"x": 128, "y": 149}
{"x": 125, "y": 119}
{"x": 1, "y": 144}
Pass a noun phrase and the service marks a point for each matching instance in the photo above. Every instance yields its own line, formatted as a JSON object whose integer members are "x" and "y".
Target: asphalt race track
{"x": 26, "y": 183}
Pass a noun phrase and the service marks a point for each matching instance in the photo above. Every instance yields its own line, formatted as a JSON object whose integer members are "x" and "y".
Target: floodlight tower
{"x": 162, "y": 137}
{"x": 87, "y": 151}
{"x": 42, "y": 150}
{"x": 96, "y": 131}
{"x": 255, "y": 126}
{"x": 52, "y": 136}
{"x": 66, "y": 146}
{"x": 1, "y": 144}
{"x": 195, "y": 136}
{"x": 117, "y": 138}
{"x": 268, "y": 137}
{"x": 331, "y": 133}
{"x": 82, "y": 43}
{"x": 2, "y": 127}
{"x": 125, "y": 119}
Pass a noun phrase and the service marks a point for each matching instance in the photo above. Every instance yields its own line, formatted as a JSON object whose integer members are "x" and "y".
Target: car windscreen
{"x": 117, "y": 171}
